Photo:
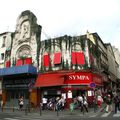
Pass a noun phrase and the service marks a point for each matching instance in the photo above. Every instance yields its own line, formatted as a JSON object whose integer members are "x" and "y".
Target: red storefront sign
{"x": 79, "y": 78}
{"x": 83, "y": 78}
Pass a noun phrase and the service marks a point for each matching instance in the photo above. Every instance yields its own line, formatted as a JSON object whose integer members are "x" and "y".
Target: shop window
{"x": 57, "y": 58}
{"x": 19, "y": 62}
{"x": 74, "y": 62}
{"x": 7, "y": 63}
{"x": 46, "y": 60}
{"x": 28, "y": 61}
{"x": 80, "y": 58}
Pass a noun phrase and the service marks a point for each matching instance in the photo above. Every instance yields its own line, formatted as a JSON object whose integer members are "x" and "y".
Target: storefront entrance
{"x": 51, "y": 93}
{"x": 13, "y": 96}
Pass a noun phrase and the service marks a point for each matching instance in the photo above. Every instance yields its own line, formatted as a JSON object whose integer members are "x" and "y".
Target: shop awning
{"x": 18, "y": 70}
{"x": 45, "y": 80}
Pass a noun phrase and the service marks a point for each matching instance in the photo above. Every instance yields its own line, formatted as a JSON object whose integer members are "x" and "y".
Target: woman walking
{"x": 109, "y": 103}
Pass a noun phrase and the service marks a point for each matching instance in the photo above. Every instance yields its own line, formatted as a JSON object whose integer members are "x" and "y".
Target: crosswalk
{"x": 104, "y": 114}
{"x": 50, "y": 117}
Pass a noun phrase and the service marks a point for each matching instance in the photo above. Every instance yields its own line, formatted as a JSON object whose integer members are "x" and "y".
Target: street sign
{"x": 92, "y": 85}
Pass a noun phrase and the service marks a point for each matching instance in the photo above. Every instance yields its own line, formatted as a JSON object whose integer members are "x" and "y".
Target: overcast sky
{"x": 71, "y": 17}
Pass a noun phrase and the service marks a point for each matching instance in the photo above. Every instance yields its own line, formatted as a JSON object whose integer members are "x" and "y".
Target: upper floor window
{"x": 57, "y": 58}
{"x": 78, "y": 58}
{"x": 46, "y": 60}
{"x": 4, "y": 38}
{"x": 2, "y": 56}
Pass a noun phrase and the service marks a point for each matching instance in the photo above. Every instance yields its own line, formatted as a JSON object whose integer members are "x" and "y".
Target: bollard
{"x": 26, "y": 112}
{"x": 40, "y": 109}
{"x": 13, "y": 109}
{"x": 2, "y": 108}
{"x": 57, "y": 110}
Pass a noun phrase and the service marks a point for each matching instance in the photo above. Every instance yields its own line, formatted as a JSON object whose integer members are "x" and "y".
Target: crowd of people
{"x": 81, "y": 102}
{"x": 111, "y": 101}
{"x": 55, "y": 103}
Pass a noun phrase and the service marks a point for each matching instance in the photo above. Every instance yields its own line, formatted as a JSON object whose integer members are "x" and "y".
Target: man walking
{"x": 116, "y": 101}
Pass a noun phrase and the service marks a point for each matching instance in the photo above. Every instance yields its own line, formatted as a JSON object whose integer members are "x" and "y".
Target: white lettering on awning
{"x": 78, "y": 77}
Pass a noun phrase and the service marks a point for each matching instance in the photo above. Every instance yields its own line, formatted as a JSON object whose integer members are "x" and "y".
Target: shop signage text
{"x": 78, "y": 77}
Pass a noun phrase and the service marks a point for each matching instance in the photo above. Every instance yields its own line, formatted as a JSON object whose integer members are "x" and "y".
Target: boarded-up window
{"x": 46, "y": 60}
{"x": 74, "y": 62}
{"x": 28, "y": 61}
{"x": 19, "y": 62}
{"x": 80, "y": 58}
{"x": 7, "y": 63}
{"x": 57, "y": 58}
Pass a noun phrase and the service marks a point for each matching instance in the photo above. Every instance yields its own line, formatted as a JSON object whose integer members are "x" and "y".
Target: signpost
{"x": 92, "y": 85}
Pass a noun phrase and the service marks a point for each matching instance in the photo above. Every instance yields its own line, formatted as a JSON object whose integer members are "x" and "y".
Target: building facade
{"x": 21, "y": 59}
{"x": 65, "y": 66}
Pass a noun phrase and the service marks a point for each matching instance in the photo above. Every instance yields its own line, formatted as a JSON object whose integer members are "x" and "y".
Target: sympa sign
{"x": 82, "y": 78}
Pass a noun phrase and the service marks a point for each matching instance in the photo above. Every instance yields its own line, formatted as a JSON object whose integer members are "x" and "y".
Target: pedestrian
{"x": 84, "y": 104}
{"x": 44, "y": 103}
{"x": 1, "y": 104}
{"x": 63, "y": 102}
{"x": 109, "y": 103}
{"x": 116, "y": 101}
{"x": 99, "y": 101}
{"x": 21, "y": 103}
{"x": 80, "y": 100}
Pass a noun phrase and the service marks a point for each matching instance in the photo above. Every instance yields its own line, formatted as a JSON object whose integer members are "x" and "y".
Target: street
{"x": 63, "y": 115}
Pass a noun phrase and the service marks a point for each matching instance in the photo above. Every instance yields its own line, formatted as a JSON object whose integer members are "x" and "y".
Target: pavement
{"x": 53, "y": 115}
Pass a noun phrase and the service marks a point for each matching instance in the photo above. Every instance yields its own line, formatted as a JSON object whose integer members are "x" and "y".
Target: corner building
{"x": 69, "y": 66}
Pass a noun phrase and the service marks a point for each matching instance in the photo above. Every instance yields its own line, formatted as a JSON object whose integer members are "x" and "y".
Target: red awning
{"x": 45, "y": 80}
{"x": 57, "y": 58}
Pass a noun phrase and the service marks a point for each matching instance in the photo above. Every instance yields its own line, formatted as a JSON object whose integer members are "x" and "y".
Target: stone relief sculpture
{"x": 25, "y": 30}
{"x": 24, "y": 52}
{"x": 24, "y": 33}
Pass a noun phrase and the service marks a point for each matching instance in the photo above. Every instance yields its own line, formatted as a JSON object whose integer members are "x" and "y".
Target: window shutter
{"x": 74, "y": 62}
{"x": 7, "y": 63}
{"x": 28, "y": 61}
{"x": 57, "y": 58}
{"x": 46, "y": 60}
{"x": 19, "y": 62}
{"x": 80, "y": 58}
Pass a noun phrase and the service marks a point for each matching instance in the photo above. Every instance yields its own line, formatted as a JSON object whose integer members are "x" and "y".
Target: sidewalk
{"x": 51, "y": 115}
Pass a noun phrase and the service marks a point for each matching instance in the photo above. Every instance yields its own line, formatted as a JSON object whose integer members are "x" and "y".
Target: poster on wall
{"x": 89, "y": 93}
{"x": 69, "y": 94}
{"x": 64, "y": 95}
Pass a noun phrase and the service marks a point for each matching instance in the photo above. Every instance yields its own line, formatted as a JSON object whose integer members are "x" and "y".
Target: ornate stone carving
{"x": 25, "y": 30}
{"x": 24, "y": 51}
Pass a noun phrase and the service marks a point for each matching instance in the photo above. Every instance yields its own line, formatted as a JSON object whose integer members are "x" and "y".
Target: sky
{"x": 67, "y": 17}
